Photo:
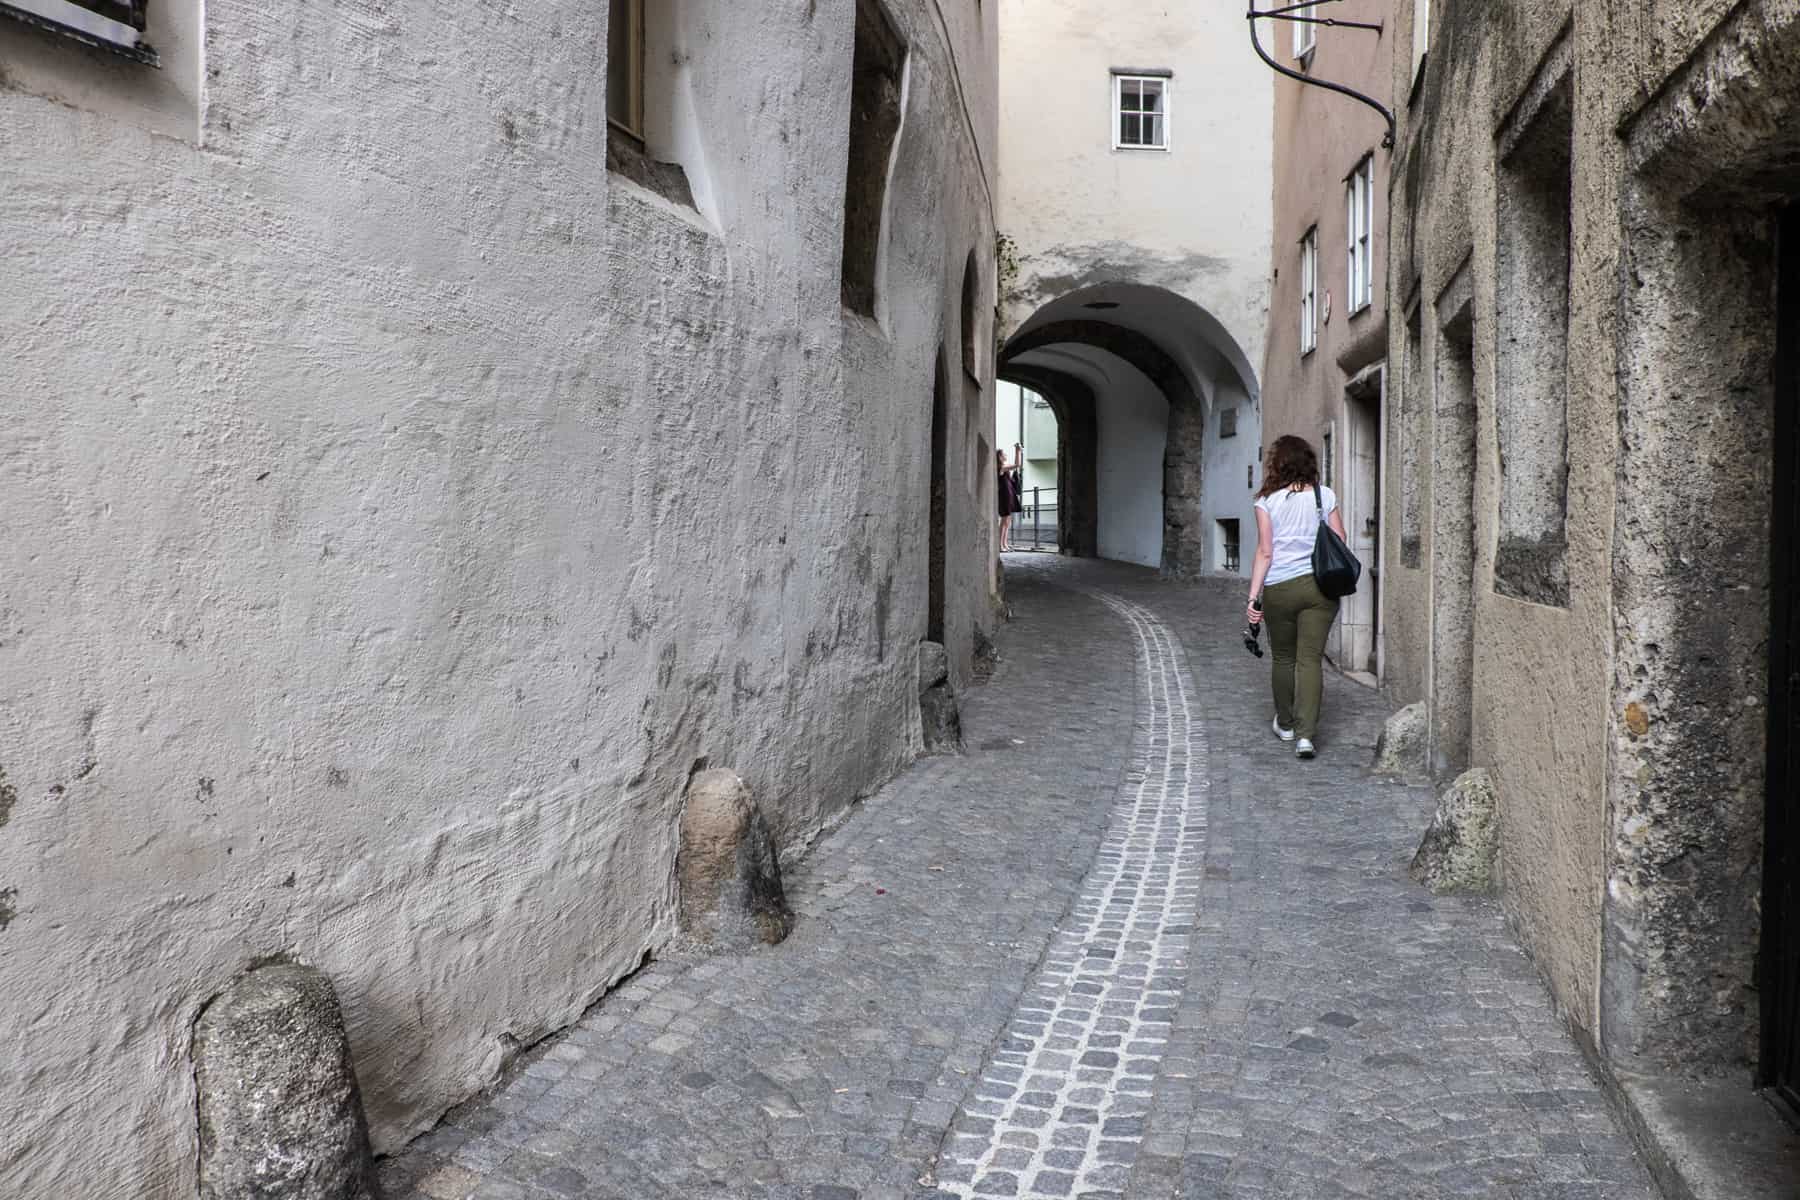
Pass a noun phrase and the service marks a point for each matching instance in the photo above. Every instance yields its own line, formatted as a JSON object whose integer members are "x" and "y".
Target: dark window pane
{"x": 1131, "y": 130}
{"x": 619, "y": 64}
{"x": 1152, "y": 99}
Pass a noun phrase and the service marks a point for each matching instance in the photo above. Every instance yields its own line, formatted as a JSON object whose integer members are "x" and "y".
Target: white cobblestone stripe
{"x": 1060, "y": 1107}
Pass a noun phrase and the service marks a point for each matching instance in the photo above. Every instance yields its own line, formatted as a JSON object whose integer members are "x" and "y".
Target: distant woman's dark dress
{"x": 1009, "y": 493}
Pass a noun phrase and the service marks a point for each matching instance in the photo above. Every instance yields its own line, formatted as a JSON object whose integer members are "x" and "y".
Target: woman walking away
{"x": 1282, "y": 589}
{"x": 1007, "y": 489}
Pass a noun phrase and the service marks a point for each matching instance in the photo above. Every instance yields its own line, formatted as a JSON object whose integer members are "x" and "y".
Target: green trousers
{"x": 1299, "y": 618}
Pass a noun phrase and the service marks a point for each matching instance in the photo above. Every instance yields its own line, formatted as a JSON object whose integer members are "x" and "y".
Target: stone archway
{"x": 1091, "y": 354}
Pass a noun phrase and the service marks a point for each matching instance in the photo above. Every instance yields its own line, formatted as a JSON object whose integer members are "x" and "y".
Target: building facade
{"x": 432, "y": 433}
{"x": 1135, "y": 187}
{"x": 1589, "y": 529}
{"x": 1325, "y": 372}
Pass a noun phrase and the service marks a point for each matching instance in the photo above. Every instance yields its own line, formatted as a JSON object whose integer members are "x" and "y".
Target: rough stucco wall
{"x": 1133, "y": 430}
{"x": 394, "y": 507}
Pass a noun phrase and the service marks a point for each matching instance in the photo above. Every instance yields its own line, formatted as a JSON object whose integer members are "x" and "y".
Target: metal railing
{"x": 1034, "y": 525}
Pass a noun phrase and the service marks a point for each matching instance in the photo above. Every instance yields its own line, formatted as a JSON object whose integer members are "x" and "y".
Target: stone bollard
{"x": 280, "y": 1114}
{"x": 1462, "y": 845}
{"x": 728, "y": 869}
{"x": 1405, "y": 743}
{"x": 938, "y": 716}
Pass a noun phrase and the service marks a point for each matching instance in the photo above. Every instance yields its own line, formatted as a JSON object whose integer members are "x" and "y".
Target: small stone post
{"x": 1462, "y": 846}
{"x": 728, "y": 869}
{"x": 1404, "y": 745}
{"x": 941, "y": 723}
{"x": 280, "y": 1114}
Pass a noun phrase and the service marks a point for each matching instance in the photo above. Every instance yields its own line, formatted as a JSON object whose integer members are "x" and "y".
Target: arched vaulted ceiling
{"x": 1154, "y": 329}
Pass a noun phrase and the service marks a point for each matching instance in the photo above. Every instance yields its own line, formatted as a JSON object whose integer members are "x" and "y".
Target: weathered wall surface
{"x": 395, "y": 507}
{"x": 1623, "y": 723}
{"x": 1707, "y": 162}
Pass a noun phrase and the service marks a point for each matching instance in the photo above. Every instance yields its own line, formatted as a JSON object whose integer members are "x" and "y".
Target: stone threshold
{"x": 1705, "y": 1139}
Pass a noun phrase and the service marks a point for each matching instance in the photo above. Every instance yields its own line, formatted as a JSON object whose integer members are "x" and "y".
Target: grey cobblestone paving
{"x": 1332, "y": 1030}
{"x": 1060, "y": 1108}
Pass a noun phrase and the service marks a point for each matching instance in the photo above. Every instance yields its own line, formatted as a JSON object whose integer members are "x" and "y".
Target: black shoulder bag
{"x": 1335, "y": 569}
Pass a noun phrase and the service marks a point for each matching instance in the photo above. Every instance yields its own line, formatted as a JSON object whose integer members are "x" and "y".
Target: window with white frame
{"x": 1421, "y": 35}
{"x": 1309, "y": 291}
{"x": 1140, "y": 112}
{"x": 1306, "y": 38}
{"x": 1360, "y": 193}
{"x": 115, "y": 24}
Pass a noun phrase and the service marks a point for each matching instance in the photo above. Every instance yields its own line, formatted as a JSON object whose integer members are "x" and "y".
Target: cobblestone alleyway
{"x": 1126, "y": 946}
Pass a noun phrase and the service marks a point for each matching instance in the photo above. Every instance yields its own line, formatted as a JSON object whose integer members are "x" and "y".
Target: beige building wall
{"x": 396, "y": 505}
{"x": 1321, "y": 138}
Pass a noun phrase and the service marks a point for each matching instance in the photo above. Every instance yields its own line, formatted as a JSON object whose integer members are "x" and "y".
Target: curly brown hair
{"x": 1291, "y": 461}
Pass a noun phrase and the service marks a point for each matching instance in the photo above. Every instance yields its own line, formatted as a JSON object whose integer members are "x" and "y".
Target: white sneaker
{"x": 1286, "y": 735}
{"x": 1304, "y": 749}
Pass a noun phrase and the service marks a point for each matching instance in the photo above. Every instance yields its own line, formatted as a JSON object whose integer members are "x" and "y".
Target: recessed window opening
{"x": 1360, "y": 198}
{"x": 653, "y": 134}
{"x": 1413, "y": 400}
{"x": 1535, "y": 200}
{"x": 112, "y": 24}
{"x": 1230, "y": 548}
{"x": 625, "y": 67}
{"x": 877, "y": 78}
{"x": 1421, "y": 35}
{"x": 1309, "y": 291}
{"x": 971, "y": 318}
{"x": 1228, "y": 422}
{"x": 1306, "y": 39}
{"x": 1141, "y": 112}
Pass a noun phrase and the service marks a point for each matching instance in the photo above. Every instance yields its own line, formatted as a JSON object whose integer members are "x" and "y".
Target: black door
{"x": 1779, "y": 969}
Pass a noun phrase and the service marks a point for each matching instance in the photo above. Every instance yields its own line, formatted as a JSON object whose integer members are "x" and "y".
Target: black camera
{"x": 1253, "y": 633}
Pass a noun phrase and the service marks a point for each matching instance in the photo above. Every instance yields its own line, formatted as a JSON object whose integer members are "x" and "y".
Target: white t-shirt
{"x": 1294, "y": 522}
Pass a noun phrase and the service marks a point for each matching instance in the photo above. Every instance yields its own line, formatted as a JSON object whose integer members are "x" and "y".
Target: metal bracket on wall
{"x": 1289, "y": 13}
{"x": 115, "y": 26}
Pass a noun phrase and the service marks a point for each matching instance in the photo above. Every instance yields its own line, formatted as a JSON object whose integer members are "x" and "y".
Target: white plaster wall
{"x": 1195, "y": 220}
{"x": 1133, "y": 432}
{"x": 394, "y": 507}
{"x": 1225, "y": 491}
